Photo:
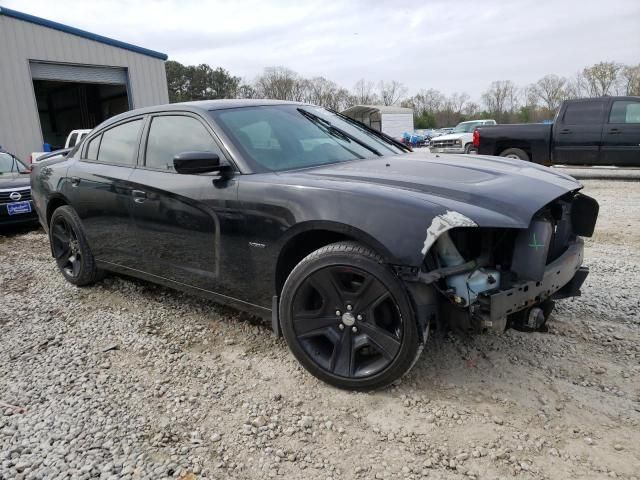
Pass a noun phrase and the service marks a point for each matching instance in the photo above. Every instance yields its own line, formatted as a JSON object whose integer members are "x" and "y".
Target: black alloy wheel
{"x": 70, "y": 248}
{"x": 66, "y": 248}
{"x": 348, "y": 320}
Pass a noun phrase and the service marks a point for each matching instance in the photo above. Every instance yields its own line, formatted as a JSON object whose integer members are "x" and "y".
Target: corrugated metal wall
{"x": 22, "y": 41}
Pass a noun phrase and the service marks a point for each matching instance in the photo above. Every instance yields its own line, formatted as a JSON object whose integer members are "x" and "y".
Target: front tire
{"x": 515, "y": 153}
{"x": 70, "y": 248}
{"x": 468, "y": 148}
{"x": 348, "y": 319}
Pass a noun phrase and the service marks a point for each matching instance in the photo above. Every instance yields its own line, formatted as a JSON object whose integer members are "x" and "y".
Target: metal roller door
{"x": 75, "y": 73}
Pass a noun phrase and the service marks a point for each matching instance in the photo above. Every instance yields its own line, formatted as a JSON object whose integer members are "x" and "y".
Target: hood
{"x": 451, "y": 136}
{"x": 14, "y": 180}
{"x": 492, "y": 191}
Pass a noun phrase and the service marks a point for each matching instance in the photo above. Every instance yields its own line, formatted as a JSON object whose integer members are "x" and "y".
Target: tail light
{"x": 476, "y": 138}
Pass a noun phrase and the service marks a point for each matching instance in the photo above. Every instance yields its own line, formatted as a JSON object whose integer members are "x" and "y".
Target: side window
{"x": 92, "y": 148}
{"x": 119, "y": 144}
{"x": 72, "y": 140}
{"x": 581, "y": 113}
{"x": 170, "y": 135}
{"x": 625, "y": 111}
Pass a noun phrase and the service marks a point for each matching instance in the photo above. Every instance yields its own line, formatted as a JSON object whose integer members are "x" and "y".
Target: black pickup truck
{"x": 592, "y": 131}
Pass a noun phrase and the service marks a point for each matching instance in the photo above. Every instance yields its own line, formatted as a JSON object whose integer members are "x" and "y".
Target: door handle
{"x": 75, "y": 181}
{"x": 564, "y": 131}
{"x": 615, "y": 131}
{"x": 139, "y": 196}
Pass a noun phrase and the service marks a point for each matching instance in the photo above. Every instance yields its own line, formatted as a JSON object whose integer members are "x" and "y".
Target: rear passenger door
{"x": 178, "y": 216}
{"x": 99, "y": 189}
{"x": 621, "y": 135}
{"x": 578, "y": 133}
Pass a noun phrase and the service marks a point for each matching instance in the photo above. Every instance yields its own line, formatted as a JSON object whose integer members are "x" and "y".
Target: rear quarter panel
{"x": 47, "y": 183}
{"x": 534, "y": 138}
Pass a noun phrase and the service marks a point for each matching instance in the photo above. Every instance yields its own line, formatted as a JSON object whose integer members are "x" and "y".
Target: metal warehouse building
{"x": 55, "y": 78}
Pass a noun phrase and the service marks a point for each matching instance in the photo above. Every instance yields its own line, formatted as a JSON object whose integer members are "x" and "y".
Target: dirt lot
{"x": 129, "y": 380}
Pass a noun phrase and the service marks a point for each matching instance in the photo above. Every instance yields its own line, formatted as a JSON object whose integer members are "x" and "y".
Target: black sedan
{"x": 15, "y": 192}
{"x": 351, "y": 244}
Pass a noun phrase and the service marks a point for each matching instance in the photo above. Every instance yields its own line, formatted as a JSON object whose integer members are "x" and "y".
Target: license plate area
{"x": 18, "y": 208}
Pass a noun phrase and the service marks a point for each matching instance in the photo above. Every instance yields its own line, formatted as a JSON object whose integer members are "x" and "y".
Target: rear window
{"x": 580, "y": 113}
{"x": 625, "y": 111}
{"x": 72, "y": 140}
{"x": 120, "y": 144}
{"x": 92, "y": 148}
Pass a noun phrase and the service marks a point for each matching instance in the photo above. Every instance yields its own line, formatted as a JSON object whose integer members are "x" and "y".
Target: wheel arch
{"x": 55, "y": 201}
{"x": 309, "y": 236}
{"x": 522, "y": 145}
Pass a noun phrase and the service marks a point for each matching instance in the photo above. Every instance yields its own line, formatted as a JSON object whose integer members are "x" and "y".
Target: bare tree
{"x": 391, "y": 92}
{"x": 363, "y": 93}
{"x": 630, "y": 80}
{"x": 326, "y": 93}
{"x": 452, "y": 109}
{"x": 458, "y": 101}
{"x": 600, "y": 79}
{"x": 426, "y": 101}
{"x": 576, "y": 86}
{"x": 551, "y": 91}
{"x": 471, "y": 109}
{"x": 530, "y": 96}
{"x": 280, "y": 83}
{"x": 501, "y": 99}
{"x": 246, "y": 90}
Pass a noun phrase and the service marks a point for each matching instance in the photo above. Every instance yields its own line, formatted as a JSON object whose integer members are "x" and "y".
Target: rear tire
{"x": 515, "y": 153}
{"x": 70, "y": 248}
{"x": 348, "y": 319}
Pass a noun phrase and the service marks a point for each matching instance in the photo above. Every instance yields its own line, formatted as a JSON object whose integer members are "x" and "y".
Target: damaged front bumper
{"x": 562, "y": 278}
{"x": 493, "y": 309}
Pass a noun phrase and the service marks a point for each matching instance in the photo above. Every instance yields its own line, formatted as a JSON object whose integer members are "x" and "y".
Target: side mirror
{"x": 190, "y": 163}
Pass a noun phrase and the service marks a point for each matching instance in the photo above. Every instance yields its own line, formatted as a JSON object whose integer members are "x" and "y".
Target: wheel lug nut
{"x": 354, "y": 329}
{"x": 338, "y": 313}
{"x": 341, "y": 326}
{"x": 359, "y": 317}
{"x": 349, "y": 307}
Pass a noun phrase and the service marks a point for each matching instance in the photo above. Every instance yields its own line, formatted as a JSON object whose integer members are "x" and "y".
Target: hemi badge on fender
{"x": 257, "y": 245}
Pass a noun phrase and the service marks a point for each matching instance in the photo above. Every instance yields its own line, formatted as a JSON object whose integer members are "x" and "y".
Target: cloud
{"x": 450, "y": 46}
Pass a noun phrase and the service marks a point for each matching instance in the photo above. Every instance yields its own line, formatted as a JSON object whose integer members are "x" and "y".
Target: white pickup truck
{"x": 74, "y": 138}
{"x": 460, "y": 140}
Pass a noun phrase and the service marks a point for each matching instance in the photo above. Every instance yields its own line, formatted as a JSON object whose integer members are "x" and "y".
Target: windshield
{"x": 466, "y": 127}
{"x": 10, "y": 164}
{"x": 287, "y": 137}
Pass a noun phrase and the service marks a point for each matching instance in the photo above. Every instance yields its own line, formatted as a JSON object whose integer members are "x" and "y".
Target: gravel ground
{"x": 129, "y": 380}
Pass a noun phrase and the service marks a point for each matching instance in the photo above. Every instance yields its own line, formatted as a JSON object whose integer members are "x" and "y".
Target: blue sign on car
{"x": 18, "y": 208}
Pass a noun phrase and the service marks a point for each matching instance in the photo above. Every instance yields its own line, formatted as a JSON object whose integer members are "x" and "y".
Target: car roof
{"x": 199, "y": 106}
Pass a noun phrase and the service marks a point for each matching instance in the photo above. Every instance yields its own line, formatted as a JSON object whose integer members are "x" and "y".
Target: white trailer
{"x": 394, "y": 121}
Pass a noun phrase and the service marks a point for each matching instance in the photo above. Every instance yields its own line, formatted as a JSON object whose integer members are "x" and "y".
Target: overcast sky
{"x": 449, "y": 45}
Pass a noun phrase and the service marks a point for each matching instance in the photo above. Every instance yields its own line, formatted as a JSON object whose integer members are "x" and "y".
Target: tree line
{"x": 503, "y": 100}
